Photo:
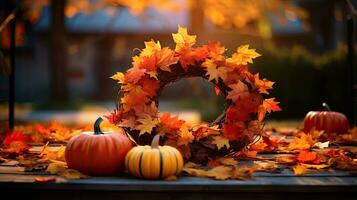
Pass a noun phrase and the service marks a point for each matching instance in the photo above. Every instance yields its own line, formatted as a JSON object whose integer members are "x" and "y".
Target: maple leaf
{"x": 300, "y": 170}
{"x": 243, "y": 56}
{"x": 129, "y": 122}
{"x": 200, "y": 53}
{"x": 119, "y": 76}
{"x": 150, "y": 48}
{"x": 238, "y": 90}
{"x": 115, "y": 116}
{"x": 271, "y": 105}
{"x": 215, "y": 50}
{"x": 165, "y": 58}
{"x": 15, "y": 142}
{"x": 186, "y": 59}
{"x": 147, "y": 108}
{"x": 170, "y": 124}
{"x": 233, "y": 131}
{"x": 214, "y": 72}
{"x": 150, "y": 86}
{"x": 302, "y": 141}
{"x": 183, "y": 40}
{"x": 262, "y": 85}
{"x": 147, "y": 123}
{"x": 220, "y": 142}
{"x": 135, "y": 96}
{"x": 308, "y": 157}
{"x": 185, "y": 136}
{"x": 220, "y": 172}
{"x": 134, "y": 75}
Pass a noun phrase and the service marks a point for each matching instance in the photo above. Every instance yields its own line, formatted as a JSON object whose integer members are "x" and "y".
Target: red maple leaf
{"x": 233, "y": 131}
{"x": 16, "y": 142}
{"x": 150, "y": 86}
{"x": 306, "y": 156}
{"x": 171, "y": 124}
{"x": 115, "y": 117}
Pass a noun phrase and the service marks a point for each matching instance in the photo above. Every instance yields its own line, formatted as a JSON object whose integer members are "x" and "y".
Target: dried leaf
{"x": 220, "y": 142}
{"x": 300, "y": 170}
{"x": 147, "y": 123}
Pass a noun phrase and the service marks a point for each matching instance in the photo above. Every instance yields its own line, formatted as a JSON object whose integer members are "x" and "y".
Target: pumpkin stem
{"x": 326, "y": 107}
{"x": 155, "y": 141}
{"x": 97, "y": 123}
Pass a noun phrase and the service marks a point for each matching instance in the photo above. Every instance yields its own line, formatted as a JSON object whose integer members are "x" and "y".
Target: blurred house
{"x": 103, "y": 42}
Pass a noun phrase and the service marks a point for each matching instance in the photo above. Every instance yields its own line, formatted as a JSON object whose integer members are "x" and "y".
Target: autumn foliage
{"x": 155, "y": 66}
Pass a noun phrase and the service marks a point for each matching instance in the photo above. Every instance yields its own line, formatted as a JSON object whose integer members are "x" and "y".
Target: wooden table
{"x": 283, "y": 185}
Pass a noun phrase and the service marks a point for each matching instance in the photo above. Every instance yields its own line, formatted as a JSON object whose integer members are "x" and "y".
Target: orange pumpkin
{"x": 328, "y": 121}
{"x": 98, "y": 153}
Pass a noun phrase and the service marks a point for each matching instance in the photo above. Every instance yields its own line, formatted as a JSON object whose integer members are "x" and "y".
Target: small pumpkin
{"x": 327, "y": 121}
{"x": 154, "y": 162}
{"x": 98, "y": 153}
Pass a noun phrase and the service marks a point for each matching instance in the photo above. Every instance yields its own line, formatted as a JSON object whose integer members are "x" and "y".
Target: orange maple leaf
{"x": 134, "y": 75}
{"x": 165, "y": 58}
{"x": 170, "y": 124}
{"x": 148, "y": 63}
{"x": 308, "y": 157}
{"x": 150, "y": 86}
{"x": 262, "y": 85}
{"x": 239, "y": 90}
{"x": 271, "y": 105}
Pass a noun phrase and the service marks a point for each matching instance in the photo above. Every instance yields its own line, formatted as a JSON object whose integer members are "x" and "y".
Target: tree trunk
{"x": 58, "y": 56}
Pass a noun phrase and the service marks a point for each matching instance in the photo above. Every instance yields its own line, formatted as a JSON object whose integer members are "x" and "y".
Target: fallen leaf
{"x": 299, "y": 170}
{"x": 45, "y": 179}
{"x": 220, "y": 142}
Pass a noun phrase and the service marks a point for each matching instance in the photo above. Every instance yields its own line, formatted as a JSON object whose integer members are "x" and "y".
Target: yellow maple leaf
{"x": 150, "y": 48}
{"x": 183, "y": 40}
{"x": 243, "y": 56}
{"x": 185, "y": 136}
{"x": 220, "y": 142}
{"x": 214, "y": 72}
{"x": 118, "y": 77}
{"x": 302, "y": 141}
{"x": 238, "y": 90}
{"x": 220, "y": 172}
{"x": 299, "y": 170}
{"x": 147, "y": 123}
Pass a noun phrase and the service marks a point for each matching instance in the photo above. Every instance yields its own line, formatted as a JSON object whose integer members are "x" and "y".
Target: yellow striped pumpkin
{"x": 154, "y": 162}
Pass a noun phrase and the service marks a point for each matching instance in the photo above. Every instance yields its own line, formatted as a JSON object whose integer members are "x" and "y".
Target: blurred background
{"x": 67, "y": 50}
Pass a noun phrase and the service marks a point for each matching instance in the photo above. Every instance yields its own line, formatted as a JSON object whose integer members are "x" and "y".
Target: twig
{"x": 7, "y": 20}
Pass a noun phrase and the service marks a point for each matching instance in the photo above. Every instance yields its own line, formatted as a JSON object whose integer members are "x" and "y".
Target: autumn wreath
{"x": 156, "y": 66}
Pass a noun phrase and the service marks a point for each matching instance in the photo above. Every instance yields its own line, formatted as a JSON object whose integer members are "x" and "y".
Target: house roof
{"x": 151, "y": 21}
